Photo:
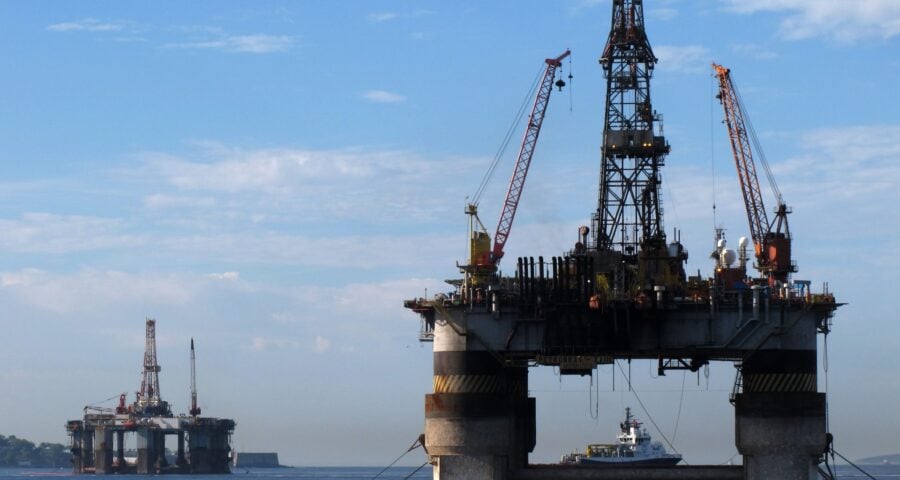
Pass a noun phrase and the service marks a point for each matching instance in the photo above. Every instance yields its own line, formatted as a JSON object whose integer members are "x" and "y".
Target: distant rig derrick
{"x": 98, "y": 441}
{"x": 622, "y": 293}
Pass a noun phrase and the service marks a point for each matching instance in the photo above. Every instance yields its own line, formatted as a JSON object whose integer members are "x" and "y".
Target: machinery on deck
{"x": 621, "y": 292}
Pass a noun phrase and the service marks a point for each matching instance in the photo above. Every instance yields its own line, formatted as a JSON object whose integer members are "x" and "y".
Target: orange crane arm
{"x": 771, "y": 241}
{"x": 743, "y": 159}
{"x": 517, "y": 182}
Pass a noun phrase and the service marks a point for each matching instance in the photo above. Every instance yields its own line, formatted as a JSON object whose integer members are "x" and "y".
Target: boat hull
{"x": 628, "y": 461}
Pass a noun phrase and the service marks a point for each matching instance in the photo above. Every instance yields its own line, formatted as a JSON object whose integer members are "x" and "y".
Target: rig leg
{"x": 103, "y": 451}
{"x": 780, "y": 418}
{"x": 479, "y": 422}
{"x": 120, "y": 450}
{"x": 87, "y": 449}
{"x": 180, "y": 460}
{"x": 146, "y": 449}
{"x": 75, "y": 448}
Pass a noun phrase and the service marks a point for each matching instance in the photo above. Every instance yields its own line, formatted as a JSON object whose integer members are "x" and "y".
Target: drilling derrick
{"x": 629, "y": 214}
{"x": 149, "y": 401}
{"x": 629, "y": 240}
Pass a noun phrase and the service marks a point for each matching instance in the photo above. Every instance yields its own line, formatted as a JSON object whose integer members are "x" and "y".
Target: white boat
{"x": 633, "y": 447}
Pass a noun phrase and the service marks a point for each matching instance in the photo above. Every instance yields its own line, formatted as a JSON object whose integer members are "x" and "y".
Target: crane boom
{"x": 195, "y": 410}
{"x": 772, "y": 241}
{"x": 523, "y": 162}
{"x": 743, "y": 156}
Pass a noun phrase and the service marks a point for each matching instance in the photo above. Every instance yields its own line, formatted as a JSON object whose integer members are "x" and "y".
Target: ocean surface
{"x": 358, "y": 473}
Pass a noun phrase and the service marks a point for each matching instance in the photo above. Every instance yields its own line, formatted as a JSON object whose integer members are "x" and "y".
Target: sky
{"x": 273, "y": 178}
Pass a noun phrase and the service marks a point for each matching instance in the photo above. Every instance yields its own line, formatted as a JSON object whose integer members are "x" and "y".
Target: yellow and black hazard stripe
{"x": 779, "y": 382}
{"x": 477, "y": 384}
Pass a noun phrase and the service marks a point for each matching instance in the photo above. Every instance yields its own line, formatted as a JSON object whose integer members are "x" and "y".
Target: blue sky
{"x": 274, "y": 178}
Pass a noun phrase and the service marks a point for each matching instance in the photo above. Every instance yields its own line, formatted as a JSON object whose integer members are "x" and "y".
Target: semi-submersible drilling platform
{"x": 622, "y": 293}
{"x": 203, "y": 442}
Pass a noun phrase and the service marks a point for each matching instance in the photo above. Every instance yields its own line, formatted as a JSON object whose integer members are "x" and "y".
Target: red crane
{"x": 772, "y": 241}
{"x": 517, "y": 182}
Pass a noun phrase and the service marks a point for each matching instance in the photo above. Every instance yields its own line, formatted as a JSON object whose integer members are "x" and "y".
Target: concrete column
{"x": 220, "y": 451}
{"x": 146, "y": 450}
{"x": 87, "y": 448}
{"x": 161, "y": 461}
{"x": 779, "y": 416}
{"x": 75, "y": 448}
{"x": 479, "y": 422}
{"x": 103, "y": 451}
{"x": 198, "y": 450}
{"x": 120, "y": 450}
{"x": 179, "y": 459}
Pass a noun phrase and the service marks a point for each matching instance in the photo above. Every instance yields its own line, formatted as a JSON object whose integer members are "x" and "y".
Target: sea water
{"x": 355, "y": 473}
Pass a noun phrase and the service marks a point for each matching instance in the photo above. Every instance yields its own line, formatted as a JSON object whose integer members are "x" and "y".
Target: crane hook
{"x": 560, "y": 84}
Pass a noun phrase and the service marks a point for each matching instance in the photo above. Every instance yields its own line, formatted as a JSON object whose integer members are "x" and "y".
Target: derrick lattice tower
{"x": 149, "y": 401}
{"x": 629, "y": 213}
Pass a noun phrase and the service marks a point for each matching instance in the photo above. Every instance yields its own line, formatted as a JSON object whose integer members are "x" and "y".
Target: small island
{"x": 18, "y": 452}
{"x": 881, "y": 460}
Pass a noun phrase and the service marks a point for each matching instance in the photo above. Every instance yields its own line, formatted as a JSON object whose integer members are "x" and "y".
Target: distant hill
{"x": 891, "y": 459}
{"x": 17, "y": 452}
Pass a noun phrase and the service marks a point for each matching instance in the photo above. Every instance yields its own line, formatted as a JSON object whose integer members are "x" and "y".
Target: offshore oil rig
{"x": 622, "y": 293}
{"x": 98, "y": 441}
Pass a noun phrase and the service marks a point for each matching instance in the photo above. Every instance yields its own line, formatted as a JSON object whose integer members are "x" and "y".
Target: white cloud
{"x": 322, "y": 344}
{"x": 383, "y": 16}
{"x": 843, "y": 20}
{"x": 230, "y": 276}
{"x": 261, "y": 344}
{"x": 93, "y": 290}
{"x": 51, "y": 233}
{"x": 383, "y": 96}
{"x": 663, "y": 13}
{"x": 163, "y": 201}
{"x": 221, "y": 182}
{"x": 257, "y": 43}
{"x": 683, "y": 59}
{"x": 85, "y": 25}
{"x": 754, "y": 50}
{"x": 578, "y": 5}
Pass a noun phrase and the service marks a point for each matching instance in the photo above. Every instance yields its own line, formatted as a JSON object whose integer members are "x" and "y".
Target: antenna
{"x": 195, "y": 410}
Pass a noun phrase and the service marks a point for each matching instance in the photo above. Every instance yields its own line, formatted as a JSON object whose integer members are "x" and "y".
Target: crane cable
{"x": 646, "y": 412}
{"x": 507, "y": 138}
{"x": 680, "y": 402}
{"x": 753, "y": 138}
{"x": 712, "y": 150}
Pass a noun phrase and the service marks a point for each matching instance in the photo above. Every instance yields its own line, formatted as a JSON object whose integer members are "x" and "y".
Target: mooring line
{"x": 414, "y": 471}
{"x": 853, "y": 464}
{"x": 420, "y": 442}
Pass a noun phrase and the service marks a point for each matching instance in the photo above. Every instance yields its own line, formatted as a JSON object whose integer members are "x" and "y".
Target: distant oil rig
{"x": 622, "y": 293}
{"x": 98, "y": 442}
